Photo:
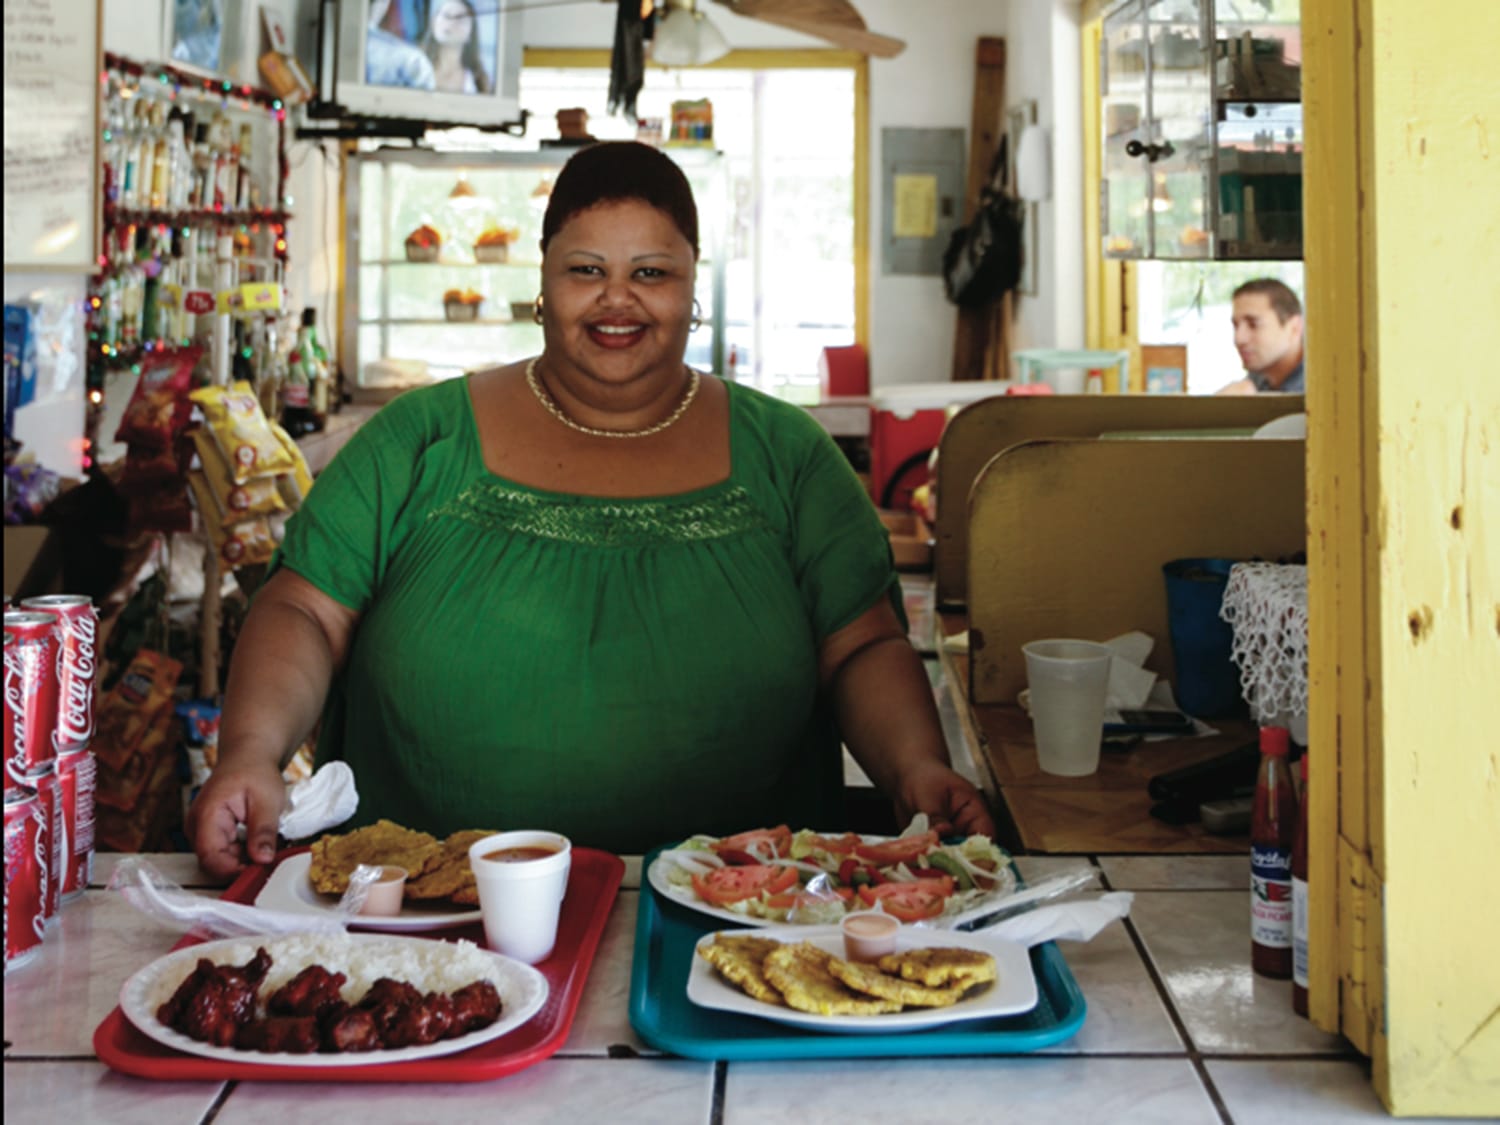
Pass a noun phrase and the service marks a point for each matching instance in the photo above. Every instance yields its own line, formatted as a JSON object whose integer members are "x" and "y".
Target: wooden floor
{"x": 1108, "y": 811}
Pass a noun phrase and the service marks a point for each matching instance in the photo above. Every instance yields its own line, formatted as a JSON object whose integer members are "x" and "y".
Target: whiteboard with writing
{"x": 51, "y": 134}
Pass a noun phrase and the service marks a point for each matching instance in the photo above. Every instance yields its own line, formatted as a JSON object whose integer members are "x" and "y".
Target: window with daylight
{"x": 787, "y": 133}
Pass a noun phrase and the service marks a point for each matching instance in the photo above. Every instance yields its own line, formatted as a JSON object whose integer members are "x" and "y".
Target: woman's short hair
{"x": 621, "y": 170}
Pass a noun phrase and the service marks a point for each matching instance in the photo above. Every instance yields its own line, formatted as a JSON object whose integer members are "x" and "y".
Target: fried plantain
{"x": 870, "y": 980}
{"x": 800, "y": 973}
{"x": 941, "y": 966}
{"x": 448, "y": 874}
{"x": 334, "y": 858}
{"x": 740, "y": 958}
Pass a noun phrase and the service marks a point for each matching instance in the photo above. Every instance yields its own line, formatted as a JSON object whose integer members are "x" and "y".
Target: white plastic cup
{"x": 1068, "y": 681}
{"x": 520, "y": 895}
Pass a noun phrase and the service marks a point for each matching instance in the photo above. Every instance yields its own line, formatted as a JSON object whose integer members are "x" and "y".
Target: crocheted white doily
{"x": 1266, "y": 606}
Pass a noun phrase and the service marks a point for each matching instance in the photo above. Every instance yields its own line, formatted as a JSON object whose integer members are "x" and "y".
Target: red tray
{"x": 592, "y": 885}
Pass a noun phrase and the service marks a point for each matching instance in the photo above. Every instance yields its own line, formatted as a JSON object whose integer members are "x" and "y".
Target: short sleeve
{"x": 841, "y": 550}
{"x": 343, "y": 536}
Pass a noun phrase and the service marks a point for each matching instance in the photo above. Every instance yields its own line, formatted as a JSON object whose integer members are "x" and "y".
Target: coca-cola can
{"x": 77, "y": 779}
{"x": 25, "y": 880}
{"x": 30, "y": 693}
{"x": 12, "y": 785}
{"x": 77, "y": 665}
{"x": 57, "y": 846}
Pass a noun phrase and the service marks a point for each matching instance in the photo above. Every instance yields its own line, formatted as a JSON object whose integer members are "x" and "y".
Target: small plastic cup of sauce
{"x": 869, "y": 935}
{"x": 384, "y": 896}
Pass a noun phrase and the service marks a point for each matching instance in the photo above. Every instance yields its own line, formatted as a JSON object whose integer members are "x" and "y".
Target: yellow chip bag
{"x": 258, "y": 496}
{"x": 296, "y": 484}
{"x": 240, "y": 427}
{"x": 240, "y": 544}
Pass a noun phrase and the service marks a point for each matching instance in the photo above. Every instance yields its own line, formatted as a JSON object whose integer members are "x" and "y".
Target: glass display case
{"x": 1202, "y": 129}
{"x": 442, "y": 260}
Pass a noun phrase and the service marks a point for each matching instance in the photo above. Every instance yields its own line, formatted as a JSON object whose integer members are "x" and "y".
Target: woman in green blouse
{"x": 594, "y": 592}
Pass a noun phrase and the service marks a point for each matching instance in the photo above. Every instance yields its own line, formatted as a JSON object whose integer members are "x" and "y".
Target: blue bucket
{"x": 1208, "y": 683}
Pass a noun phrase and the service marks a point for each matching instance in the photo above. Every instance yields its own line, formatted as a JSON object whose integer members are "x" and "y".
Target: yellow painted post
{"x": 1403, "y": 142}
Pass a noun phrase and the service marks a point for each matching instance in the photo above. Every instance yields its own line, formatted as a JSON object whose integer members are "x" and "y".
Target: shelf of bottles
{"x": 187, "y": 159}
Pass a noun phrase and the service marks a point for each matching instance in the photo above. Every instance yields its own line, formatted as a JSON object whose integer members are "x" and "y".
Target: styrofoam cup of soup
{"x": 869, "y": 935}
{"x": 522, "y": 877}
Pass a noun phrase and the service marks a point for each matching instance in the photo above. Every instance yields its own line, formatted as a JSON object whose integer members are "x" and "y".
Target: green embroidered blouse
{"x": 624, "y": 671}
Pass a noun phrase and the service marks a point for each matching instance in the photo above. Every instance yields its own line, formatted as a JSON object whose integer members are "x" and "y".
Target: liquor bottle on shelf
{"x": 318, "y": 370}
{"x": 298, "y": 412}
{"x": 244, "y": 181}
{"x": 1273, "y": 823}
{"x": 161, "y": 159}
{"x": 201, "y": 193}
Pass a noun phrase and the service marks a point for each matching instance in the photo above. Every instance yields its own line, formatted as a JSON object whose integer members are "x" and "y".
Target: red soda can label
{"x": 77, "y": 779}
{"x": 77, "y": 666}
{"x": 25, "y": 880}
{"x": 12, "y": 785}
{"x": 30, "y": 693}
{"x": 56, "y": 840}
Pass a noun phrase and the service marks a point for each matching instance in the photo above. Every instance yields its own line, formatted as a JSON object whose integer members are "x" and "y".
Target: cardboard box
{"x": 911, "y": 539}
{"x": 33, "y": 561}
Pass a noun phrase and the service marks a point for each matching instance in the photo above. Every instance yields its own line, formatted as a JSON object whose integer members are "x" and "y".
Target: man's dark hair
{"x": 621, "y": 170}
{"x": 1282, "y": 299}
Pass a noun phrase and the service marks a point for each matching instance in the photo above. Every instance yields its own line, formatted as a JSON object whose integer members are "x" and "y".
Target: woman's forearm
{"x": 284, "y": 660}
{"x": 886, "y": 712}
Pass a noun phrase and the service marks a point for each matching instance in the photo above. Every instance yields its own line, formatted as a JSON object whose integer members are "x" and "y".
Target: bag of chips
{"x": 239, "y": 426}
{"x": 159, "y": 407}
{"x": 296, "y": 484}
{"x": 236, "y": 502}
{"x": 237, "y": 544}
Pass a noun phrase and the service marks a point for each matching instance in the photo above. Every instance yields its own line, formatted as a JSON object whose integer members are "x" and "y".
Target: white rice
{"x": 431, "y": 966}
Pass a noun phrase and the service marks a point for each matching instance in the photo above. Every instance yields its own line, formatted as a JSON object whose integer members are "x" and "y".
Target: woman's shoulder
{"x": 433, "y": 411}
{"x": 777, "y": 420}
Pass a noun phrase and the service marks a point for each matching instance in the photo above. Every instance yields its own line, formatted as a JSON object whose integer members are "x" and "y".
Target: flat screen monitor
{"x": 445, "y": 62}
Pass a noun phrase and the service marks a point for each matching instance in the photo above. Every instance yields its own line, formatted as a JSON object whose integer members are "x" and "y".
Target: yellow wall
{"x": 1403, "y": 282}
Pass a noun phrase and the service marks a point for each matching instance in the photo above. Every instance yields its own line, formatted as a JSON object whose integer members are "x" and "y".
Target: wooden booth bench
{"x": 982, "y": 429}
{"x": 1067, "y": 538}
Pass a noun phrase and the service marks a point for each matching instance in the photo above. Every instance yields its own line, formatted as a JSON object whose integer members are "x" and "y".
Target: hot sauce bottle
{"x": 1273, "y": 826}
{"x": 1299, "y": 902}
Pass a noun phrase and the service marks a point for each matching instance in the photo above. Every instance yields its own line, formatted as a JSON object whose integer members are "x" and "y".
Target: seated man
{"x": 1268, "y": 336}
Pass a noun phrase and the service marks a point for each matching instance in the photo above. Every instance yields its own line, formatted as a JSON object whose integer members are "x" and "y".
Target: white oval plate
{"x": 290, "y": 890}
{"x": 656, "y": 875}
{"x": 1013, "y": 991}
{"x": 523, "y": 990}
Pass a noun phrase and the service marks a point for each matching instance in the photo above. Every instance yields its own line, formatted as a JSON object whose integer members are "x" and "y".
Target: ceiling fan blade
{"x": 837, "y": 21}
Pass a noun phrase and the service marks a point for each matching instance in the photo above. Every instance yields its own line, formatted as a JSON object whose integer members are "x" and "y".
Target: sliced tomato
{"x": 904, "y": 849}
{"x": 838, "y": 845}
{"x": 725, "y": 885}
{"x": 852, "y": 873}
{"x": 805, "y": 898}
{"x": 755, "y": 846}
{"x": 940, "y": 885}
{"x": 909, "y": 902}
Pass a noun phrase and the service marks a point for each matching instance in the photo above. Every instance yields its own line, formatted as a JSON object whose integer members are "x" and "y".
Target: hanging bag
{"x": 983, "y": 259}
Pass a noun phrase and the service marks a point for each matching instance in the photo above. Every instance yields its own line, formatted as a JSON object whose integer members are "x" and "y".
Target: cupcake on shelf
{"x": 462, "y": 304}
{"x": 424, "y": 244}
{"x": 493, "y": 244}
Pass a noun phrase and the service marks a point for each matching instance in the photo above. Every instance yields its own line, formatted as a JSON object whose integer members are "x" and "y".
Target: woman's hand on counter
{"x": 251, "y": 798}
{"x": 953, "y": 805}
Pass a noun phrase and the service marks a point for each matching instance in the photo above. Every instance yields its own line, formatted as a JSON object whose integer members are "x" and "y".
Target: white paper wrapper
{"x": 1066, "y": 921}
{"x": 323, "y": 801}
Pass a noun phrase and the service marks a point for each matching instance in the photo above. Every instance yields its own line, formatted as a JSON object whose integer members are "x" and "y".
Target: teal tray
{"x": 667, "y": 932}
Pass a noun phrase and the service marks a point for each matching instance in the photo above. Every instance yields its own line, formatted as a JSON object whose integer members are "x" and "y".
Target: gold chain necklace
{"x": 556, "y": 411}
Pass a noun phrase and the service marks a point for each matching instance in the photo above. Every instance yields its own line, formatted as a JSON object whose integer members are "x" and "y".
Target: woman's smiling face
{"x": 617, "y": 280}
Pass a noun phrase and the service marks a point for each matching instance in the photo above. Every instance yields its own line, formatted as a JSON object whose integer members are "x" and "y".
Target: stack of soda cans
{"x": 51, "y": 668}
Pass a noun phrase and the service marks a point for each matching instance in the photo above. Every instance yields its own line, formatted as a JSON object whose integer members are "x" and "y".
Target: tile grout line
{"x": 1194, "y": 1056}
{"x": 716, "y": 1096}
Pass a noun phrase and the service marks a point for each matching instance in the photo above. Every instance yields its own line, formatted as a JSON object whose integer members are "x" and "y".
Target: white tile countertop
{"x": 1178, "y": 1030}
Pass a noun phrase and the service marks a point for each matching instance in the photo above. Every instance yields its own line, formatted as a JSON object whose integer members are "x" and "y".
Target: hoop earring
{"x": 697, "y": 321}
{"x": 536, "y": 309}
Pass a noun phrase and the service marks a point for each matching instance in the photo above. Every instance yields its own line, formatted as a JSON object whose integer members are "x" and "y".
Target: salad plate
{"x": 671, "y": 873}
{"x": 523, "y": 991}
{"x": 1013, "y": 991}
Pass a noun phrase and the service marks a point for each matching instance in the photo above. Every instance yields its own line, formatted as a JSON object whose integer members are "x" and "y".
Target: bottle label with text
{"x": 1271, "y": 896}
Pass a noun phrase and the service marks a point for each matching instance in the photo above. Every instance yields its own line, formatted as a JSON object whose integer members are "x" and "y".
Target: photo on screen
{"x": 448, "y": 46}
{"x": 197, "y": 33}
